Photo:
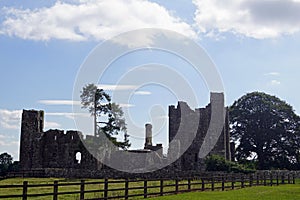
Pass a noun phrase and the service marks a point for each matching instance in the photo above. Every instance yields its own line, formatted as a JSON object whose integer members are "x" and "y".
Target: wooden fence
{"x": 125, "y": 189}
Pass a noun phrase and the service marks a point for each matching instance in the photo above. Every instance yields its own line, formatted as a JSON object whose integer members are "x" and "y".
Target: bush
{"x": 219, "y": 163}
{"x": 7, "y": 164}
{"x": 3, "y": 170}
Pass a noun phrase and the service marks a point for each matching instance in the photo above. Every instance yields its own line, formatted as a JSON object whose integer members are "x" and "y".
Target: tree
{"x": 266, "y": 129}
{"x": 15, "y": 166}
{"x": 5, "y": 162}
{"x": 108, "y": 117}
{"x": 5, "y": 159}
{"x": 96, "y": 101}
{"x": 115, "y": 125}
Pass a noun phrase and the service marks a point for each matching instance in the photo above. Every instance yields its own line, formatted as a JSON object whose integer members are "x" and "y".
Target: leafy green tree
{"x": 108, "y": 117}
{"x": 5, "y": 159}
{"x": 5, "y": 162}
{"x": 15, "y": 166}
{"x": 115, "y": 125}
{"x": 96, "y": 101}
{"x": 266, "y": 129}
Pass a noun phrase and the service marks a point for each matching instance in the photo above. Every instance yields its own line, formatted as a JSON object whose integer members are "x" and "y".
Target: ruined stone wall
{"x": 55, "y": 151}
{"x": 199, "y": 118}
{"x": 51, "y": 149}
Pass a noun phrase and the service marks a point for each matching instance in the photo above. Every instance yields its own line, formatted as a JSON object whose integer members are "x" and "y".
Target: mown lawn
{"x": 282, "y": 192}
{"x": 73, "y": 188}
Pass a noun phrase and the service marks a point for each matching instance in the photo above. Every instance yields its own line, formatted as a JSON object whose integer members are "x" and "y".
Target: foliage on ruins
{"x": 265, "y": 129}
{"x": 219, "y": 163}
{"x": 108, "y": 117}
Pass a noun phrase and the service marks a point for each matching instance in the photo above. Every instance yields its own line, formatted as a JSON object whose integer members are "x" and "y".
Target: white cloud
{"x": 275, "y": 82}
{"x": 59, "y": 102}
{"x": 89, "y": 19}
{"x": 69, "y": 115}
{"x": 10, "y": 119}
{"x": 116, "y": 87}
{"x": 146, "y": 68}
{"x": 257, "y": 19}
{"x": 273, "y": 74}
{"x": 123, "y": 105}
{"x": 123, "y": 88}
{"x": 142, "y": 92}
{"x": 11, "y": 143}
{"x": 52, "y": 125}
{"x": 7, "y": 136}
{"x": 162, "y": 117}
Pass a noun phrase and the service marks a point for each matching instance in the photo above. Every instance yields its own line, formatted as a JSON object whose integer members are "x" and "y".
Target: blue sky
{"x": 255, "y": 46}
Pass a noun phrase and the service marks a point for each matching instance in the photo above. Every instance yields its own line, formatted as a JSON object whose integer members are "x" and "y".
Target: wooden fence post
{"x": 55, "y": 190}
{"x": 294, "y": 178}
{"x": 232, "y": 183}
{"x": 277, "y": 178}
{"x": 82, "y": 190}
{"x": 189, "y": 184}
{"x": 251, "y": 180}
{"x": 145, "y": 189}
{"x": 257, "y": 179}
{"x": 105, "y": 188}
{"x": 265, "y": 179}
{"x": 289, "y": 178}
{"x": 271, "y": 179}
{"x": 161, "y": 187}
{"x": 25, "y": 186}
{"x": 223, "y": 183}
{"x": 282, "y": 179}
{"x": 126, "y": 188}
{"x": 242, "y": 181}
{"x": 212, "y": 184}
{"x": 202, "y": 184}
{"x": 176, "y": 186}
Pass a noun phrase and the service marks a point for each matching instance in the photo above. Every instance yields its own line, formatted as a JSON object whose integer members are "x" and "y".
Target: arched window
{"x": 78, "y": 157}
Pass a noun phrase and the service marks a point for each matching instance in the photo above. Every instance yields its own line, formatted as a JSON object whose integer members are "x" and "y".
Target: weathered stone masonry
{"x": 190, "y": 159}
{"x": 50, "y": 149}
{"x": 54, "y": 151}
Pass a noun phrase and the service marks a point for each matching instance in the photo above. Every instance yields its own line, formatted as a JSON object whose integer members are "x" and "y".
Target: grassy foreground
{"x": 282, "y": 192}
{"x": 75, "y": 188}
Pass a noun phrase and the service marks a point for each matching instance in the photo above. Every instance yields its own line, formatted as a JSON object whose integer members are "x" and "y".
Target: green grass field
{"x": 282, "y": 192}
{"x": 74, "y": 188}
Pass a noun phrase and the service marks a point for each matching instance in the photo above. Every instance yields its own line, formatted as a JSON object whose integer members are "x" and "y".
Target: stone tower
{"x": 196, "y": 124}
{"x": 31, "y": 133}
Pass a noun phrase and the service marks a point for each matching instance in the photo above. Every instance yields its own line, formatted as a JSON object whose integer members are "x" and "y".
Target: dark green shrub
{"x": 219, "y": 163}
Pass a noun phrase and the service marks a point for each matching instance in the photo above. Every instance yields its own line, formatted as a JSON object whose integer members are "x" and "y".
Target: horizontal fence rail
{"x": 129, "y": 188}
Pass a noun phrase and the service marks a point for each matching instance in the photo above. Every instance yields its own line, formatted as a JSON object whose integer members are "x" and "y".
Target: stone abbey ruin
{"x": 53, "y": 152}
